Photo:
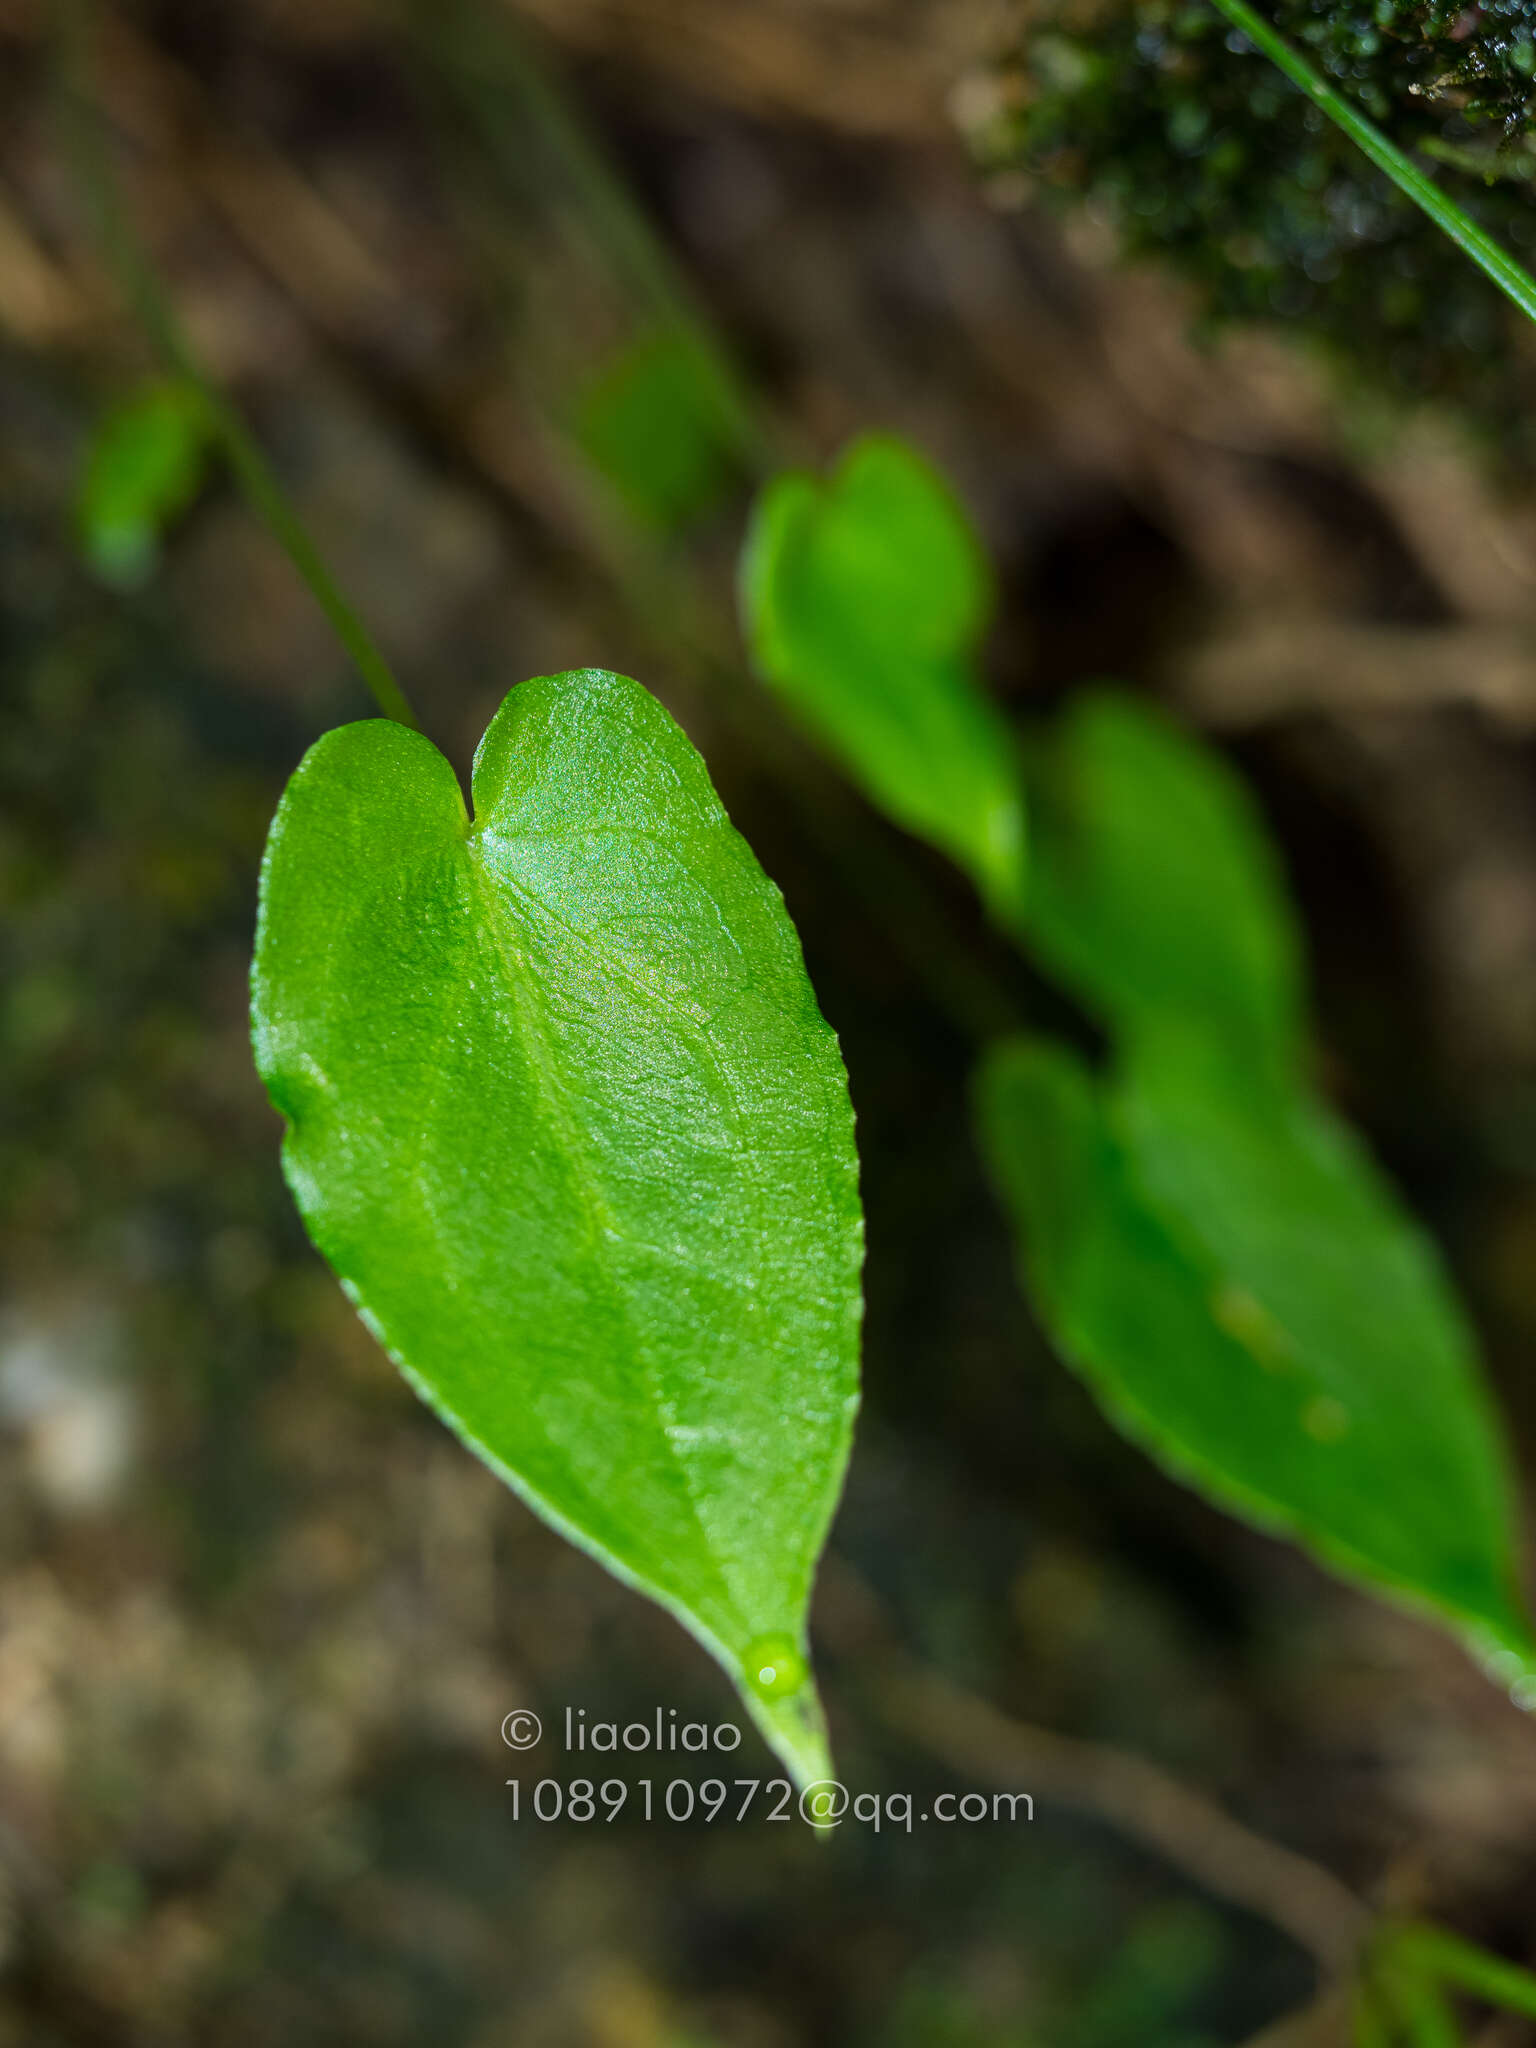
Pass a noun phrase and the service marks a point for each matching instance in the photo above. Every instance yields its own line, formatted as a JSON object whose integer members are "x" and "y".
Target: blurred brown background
{"x": 260, "y": 1618}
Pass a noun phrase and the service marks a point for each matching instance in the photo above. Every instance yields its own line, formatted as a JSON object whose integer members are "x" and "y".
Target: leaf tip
{"x": 794, "y": 1727}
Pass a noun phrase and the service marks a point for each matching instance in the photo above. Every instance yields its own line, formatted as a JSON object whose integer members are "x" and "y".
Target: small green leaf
{"x": 1155, "y": 894}
{"x": 865, "y": 599}
{"x": 565, "y": 1119}
{"x": 656, "y": 426}
{"x": 144, "y": 467}
{"x": 1239, "y": 1290}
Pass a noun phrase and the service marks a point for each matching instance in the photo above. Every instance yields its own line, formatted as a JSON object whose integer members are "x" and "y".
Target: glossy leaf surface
{"x": 565, "y": 1120}
{"x": 1248, "y": 1303}
{"x": 865, "y": 599}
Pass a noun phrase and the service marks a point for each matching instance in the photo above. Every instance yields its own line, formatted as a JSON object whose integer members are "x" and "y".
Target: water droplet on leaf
{"x": 775, "y": 1666}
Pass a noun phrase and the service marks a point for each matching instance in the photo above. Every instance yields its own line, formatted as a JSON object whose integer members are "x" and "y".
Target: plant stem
{"x": 142, "y": 287}
{"x": 1514, "y": 281}
{"x": 1135, "y": 1797}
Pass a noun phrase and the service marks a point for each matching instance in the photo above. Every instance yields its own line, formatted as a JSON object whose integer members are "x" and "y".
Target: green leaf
{"x": 565, "y": 1120}
{"x": 144, "y": 467}
{"x": 1155, "y": 894}
{"x": 1226, "y": 1271}
{"x": 865, "y": 599}
{"x": 656, "y": 425}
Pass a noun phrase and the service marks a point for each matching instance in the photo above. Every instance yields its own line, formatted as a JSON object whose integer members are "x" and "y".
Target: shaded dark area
{"x": 260, "y": 1617}
{"x": 1168, "y": 121}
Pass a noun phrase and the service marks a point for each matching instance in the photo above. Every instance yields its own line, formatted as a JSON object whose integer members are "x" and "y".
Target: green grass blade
{"x": 1511, "y": 279}
{"x": 1421, "y": 2006}
{"x": 1454, "y": 1961}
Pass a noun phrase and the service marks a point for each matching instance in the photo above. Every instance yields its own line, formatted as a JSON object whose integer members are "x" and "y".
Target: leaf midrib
{"x": 574, "y": 1143}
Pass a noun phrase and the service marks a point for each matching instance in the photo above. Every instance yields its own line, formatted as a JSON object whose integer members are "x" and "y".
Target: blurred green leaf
{"x": 1422, "y": 2010}
{"x": 565, "y": 1120}
{"x": 929, "y": 2011}
{"x": 1450, "y": 1960}
{"x": 145, "y": 465}
{"x": 865, "y": 598}
{"x": 1155, "y": 894}
{"x": 1246, "y": 1301}
{"x": 654, "y": 423}
{"x": 1205, "y": 1242}
{"x": 1170, "y": 1955}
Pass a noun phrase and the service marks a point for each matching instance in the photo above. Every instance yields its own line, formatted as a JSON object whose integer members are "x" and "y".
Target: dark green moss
{"x": 1206, "y": 156}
